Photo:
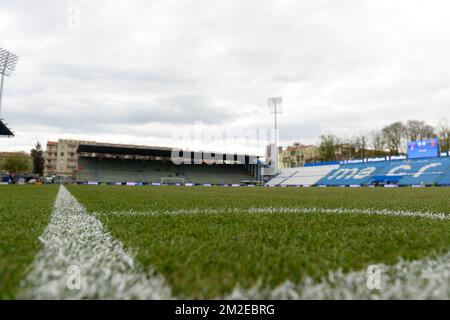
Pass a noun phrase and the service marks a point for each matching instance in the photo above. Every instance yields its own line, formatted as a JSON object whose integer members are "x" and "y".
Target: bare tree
{"x": 389, "y": 140}
{"x": 418, "y": 130}
{"x": 443, "y": 132}
{"x": 393, "y": 135}
{"x": 328, "y": 147}
{"x": 360, "y": 144}
{"x": 377, "y": 141}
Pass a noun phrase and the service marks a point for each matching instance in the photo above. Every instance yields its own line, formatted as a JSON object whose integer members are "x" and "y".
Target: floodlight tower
{"x": 8, "y": 63}
{"x": 275, "y": 104}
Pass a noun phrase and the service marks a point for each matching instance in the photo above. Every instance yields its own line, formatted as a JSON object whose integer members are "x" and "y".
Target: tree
{"x": 393, "y": 135}
{"x": 418, "y": 130}
{"x": 328, "y": 147}
{"x": 360, "y": 145}
{"x": 377, "y": 141}
{"x": 16, "y": 165}
{"x": 38, "y": 159}
{"x": 443, "y": 132}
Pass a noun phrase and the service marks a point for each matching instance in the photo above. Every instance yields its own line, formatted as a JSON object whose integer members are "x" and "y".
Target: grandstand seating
{"x": 407, "y": 172}
{"x": 415, "y": 172}
{"x": 120, "y": 170}
{"x": 352, "y": 174}
{"x": 432, "y": 171}
{"x": 444, "y": 180}
{"x": 301, "y": 175}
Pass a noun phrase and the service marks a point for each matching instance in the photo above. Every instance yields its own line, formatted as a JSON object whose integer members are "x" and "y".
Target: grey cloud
{"x": 95, "y": 114}
{"x": 143, "y": 67}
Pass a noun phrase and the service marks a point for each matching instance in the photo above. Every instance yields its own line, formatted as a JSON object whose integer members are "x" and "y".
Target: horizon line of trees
{"x": 390, "y": 140}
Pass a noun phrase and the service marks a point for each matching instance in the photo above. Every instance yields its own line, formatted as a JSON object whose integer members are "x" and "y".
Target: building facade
{"x": 293, "y": 156}
{"x": 61, "y": 158}
{"x": 297, "y": 155}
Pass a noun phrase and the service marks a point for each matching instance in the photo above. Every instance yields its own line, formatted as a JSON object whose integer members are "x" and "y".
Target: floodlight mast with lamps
{"x": 8, "y": 63}
{"x": 275, "y": 104}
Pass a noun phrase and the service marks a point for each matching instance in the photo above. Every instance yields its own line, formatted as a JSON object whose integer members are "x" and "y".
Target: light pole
{"x": 274, "y": 104}
{"x": 8, "y": 63}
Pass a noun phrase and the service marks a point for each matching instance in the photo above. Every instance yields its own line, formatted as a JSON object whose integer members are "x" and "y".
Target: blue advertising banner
{"x": 423, "y": 149}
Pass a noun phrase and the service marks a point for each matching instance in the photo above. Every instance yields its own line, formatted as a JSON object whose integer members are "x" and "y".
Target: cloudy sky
{"x": 142, "y": 71}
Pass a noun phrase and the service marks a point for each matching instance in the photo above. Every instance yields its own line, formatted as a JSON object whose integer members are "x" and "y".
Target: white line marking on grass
{"x": 107, "y": 271}
{"x": 428, "y": 278}
{"x": 314, "y": 210}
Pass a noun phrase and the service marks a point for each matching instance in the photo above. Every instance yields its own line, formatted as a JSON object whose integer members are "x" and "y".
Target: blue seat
{"x": 444, "y": 180}
{"x": 353, "y": 174}
{"x": 416, "y": 172}
{"x": 402, "y": 172}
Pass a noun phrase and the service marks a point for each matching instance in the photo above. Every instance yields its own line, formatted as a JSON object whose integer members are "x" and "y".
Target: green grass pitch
{"x": 207, "y": 240}
{"x": 24, "y": 213}
{"x": 206, "y": 254}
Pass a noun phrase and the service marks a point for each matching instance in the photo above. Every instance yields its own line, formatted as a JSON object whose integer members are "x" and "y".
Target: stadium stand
{"x": 431, "y": 171}
{"x": 112, "y": 163}
{"x": 352, "y": 174}
{"x": 415, "y": 172}
{"x": 405, "y": 172}
{"x": 126, "y": 170}
{"x": 122, "y": 164}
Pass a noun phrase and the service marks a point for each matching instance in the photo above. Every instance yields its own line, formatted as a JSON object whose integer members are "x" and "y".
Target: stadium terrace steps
{"x": 301, "y": 175}
{"x": 311, "y": 175}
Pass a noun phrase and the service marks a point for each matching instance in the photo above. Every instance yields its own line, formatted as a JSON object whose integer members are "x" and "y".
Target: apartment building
{"x": 61, "y": 158}
{"x": 293, "y": 156}
{"x": 297, "y": 155}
